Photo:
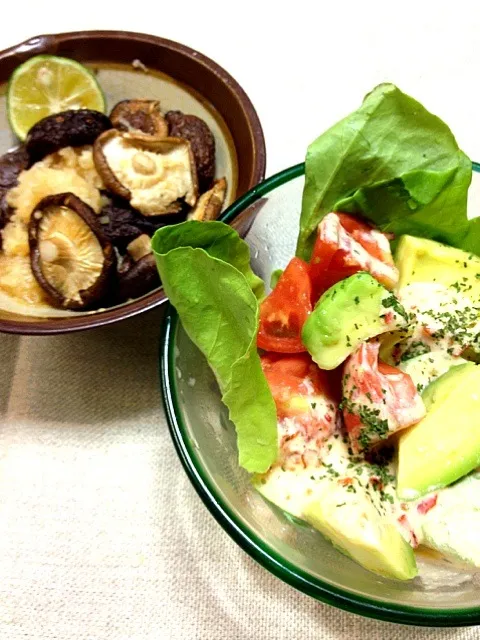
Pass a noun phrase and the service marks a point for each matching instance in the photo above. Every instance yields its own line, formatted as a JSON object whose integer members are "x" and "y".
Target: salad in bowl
{"x": 353, "y": 384}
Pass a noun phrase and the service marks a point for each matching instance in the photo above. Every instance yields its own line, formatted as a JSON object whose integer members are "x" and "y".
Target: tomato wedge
{"x": 346, "y": 245}
{"x": 284, "y": 311}
{"x": 306, "y": 410}
{"x": 291, "y": 377}
{"x": 378, "y": 400}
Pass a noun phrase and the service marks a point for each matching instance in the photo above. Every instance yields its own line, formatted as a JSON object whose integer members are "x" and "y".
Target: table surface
{"x": 101, "y": 535}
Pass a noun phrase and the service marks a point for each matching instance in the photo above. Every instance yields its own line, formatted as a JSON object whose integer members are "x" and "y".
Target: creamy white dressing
{"x": 452, "y": 526}
{"x": 292, "y": 489}
{"x": 428, "y": 367}
{"x": 446, "y": 320}
{"x": 350, "y": 481}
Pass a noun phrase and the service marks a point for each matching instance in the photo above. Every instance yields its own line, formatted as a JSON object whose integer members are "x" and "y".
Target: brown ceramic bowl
{"x": 180, "y": 78}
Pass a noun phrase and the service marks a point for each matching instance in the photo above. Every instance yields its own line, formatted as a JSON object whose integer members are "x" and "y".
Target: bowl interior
{"x": 205, "y": 439}
{"x": 138, "y": 66}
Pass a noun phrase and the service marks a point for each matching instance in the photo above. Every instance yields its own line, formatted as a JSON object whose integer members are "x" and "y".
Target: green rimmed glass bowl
{"x": 205, "y": 441}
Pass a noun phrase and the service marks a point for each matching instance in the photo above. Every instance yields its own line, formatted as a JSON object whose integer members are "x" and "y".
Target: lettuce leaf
{"x": 205, "y": 271}
{"x": 394, "y": 163}
{"x": 219, "y": 241}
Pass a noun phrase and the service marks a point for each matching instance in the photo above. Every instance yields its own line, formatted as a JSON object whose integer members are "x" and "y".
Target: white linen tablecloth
{"x": 102, "y": 536}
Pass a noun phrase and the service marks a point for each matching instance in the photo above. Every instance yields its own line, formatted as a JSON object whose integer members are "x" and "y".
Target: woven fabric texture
{"x": 102, "y": 536}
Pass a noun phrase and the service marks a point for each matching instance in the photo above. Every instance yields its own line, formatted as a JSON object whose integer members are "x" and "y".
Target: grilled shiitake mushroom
{"x": 12, "y": 164}
{"x": 139, "y": 116}
{"x": 210, "y": 203}
{"x": 73, "y": 128}
{"x": 142, "y": 276}
{"x": 122, "y": 224}
{"x": 197, "y": 132}
{"x": 71, "y": 258}
{"x": 156, "y": 175}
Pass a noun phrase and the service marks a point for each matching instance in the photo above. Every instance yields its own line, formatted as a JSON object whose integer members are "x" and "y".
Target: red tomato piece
{"x": 284, "y": 311}
{"x": 279, "y": 368}
{"x": 346, "y": 245}
{"x": 378, "y": 400}
{"x": 370, "y": 239}
{"x": 427, "y": 504}
{"x": 306, "y": 409}
{"x": 292, "y": 376}
{"x": 409, "y": 530}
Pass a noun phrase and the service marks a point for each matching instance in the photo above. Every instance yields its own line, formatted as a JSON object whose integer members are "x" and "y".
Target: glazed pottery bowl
{"x": 133, "y": 65}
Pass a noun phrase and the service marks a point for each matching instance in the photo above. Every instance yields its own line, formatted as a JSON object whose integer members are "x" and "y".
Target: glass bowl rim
{"x": 226, "y": 517}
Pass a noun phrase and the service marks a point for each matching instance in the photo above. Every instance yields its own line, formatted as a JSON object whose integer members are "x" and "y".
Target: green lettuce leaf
{"x": 206, "y": 274}
{"x": 219, "y": 241}
{"x": 394, "y": 163}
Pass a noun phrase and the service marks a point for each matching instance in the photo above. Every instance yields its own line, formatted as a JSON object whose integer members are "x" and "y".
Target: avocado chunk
{"x": 445, "y": 444}
{"x": 353, "y": 525}
{"x": 421, "y": 260}
{"x": 451, "y": 527}
{"x": 349, "y": 511}
{"x": 426, "y": 261}
{"x": 353, "y": 310}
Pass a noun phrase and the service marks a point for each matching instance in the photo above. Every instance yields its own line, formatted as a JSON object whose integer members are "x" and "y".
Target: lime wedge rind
{"x": 65, "y": 84}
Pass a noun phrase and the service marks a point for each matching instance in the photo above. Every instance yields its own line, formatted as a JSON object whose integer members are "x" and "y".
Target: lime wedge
{"x": 45, "y": 85}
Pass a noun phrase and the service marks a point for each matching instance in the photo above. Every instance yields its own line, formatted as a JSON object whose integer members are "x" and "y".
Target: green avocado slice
{"x": 445, "y": 445}
{"x": 350, "y": 514}
{"x": 353, "y": 525}
{"x": 353, "y": 310}
{"x": 422, "y": 260}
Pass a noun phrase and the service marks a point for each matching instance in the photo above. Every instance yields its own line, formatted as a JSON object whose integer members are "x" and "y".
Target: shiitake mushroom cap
{"x": 72, "y": 128}
{"x": 142, "y": 169}
{"x": 210, "y": 203}
{"x": 84, "y": 255}
{"x": 12, "y": 164}
{"x": 139, "y": 116}
{"x": 141, "y": 278}
{"x": 198, "y": 133}
{"x": 122, "y": 224}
